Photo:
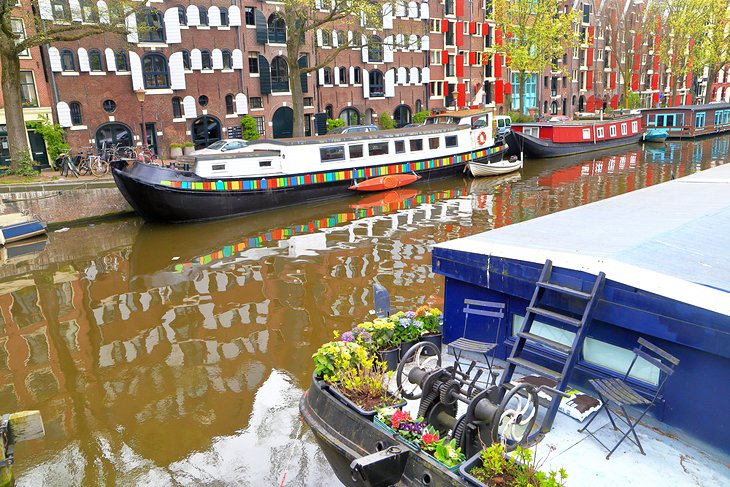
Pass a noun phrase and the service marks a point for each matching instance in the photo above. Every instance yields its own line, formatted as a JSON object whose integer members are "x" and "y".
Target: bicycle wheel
{"x": 99, "y": 167}
{"x": 84, "y": 167}
{"x": 64, "y": 167}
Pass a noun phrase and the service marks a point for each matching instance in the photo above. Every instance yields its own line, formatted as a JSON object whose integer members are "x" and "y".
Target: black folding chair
{"x": 463, "y": 345}
{"x": 617, "y": 392}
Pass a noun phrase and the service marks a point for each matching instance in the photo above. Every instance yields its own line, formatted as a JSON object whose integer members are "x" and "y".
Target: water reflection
{"x": 176, "y": 354}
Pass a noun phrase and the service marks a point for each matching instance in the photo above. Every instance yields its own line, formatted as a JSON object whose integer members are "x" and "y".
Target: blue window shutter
{"x": 262, "y": 29}
{"x": 264, "y": 75}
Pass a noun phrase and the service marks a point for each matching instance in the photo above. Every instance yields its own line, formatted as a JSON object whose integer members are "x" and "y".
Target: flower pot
{"x": 188, "y": 150}
{"x": 405, "y": 346}
{"x": 176, "y": 152}
{"x": 349, "y": 403}
{"x": 435, "y": 338}
{"x": 475, "y": 461}
{"x": 390, "y": 357}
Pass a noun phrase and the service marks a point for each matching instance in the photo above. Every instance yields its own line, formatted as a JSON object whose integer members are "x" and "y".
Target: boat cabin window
{"x": 600, "y": 132}
{"x": 451, "y": 141}
{"x": 219, "y": 167}
{"x": 416, "y": 144}
{"x": 265, "y": 164}
{"x": 377, "y": 148}
{"x": 479, "y": 122}
{"x": 433, "y": 142}
{"x": 400, "y": 146}
{"x": 634, "y": 127}
{"x": 612, "y": 130}
{"x": 535, "y": 131}
{"x": 699, "y": 120}
{"x": 332, "y": 153}
{"x": 624, "y": 129}
{"x": 587, "y": 134}
{"x": 355, "y": 151}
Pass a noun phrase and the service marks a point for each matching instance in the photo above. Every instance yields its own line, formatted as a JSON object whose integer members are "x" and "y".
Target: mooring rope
{"x": 291, "y": 454}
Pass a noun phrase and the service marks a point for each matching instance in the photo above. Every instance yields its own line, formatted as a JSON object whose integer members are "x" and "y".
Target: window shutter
{"x": 426, "y": 75}
{"x": 172, "y": 26}
{"x": 412, "y": 42}
{"x": 365, "y": 84}
{"x": 497, "y": 65}
{"x": 237, "y": 59}
{"x": 83, "y": 60}
{"x": 400, "y": 8}
{"x": 387, "y": 15}
{"x": 177, "y": 71}
{"x": 217, "y": 55}
{"x": 319, "y": 37}
{"x": 390, "y": 83}
{"x": 459, "y": 33}
{"x": 402, "y": 78}
{"x": 46, "y": 12}
{"x": 335, "y": 42}
{"x": 364, "y": 52}
{"x": 214, "y": 16}
{"x": 425, "y": 43}
{"x": 388, "y": 49}
{"x": 320, "y": 76}
{"x": 64, "y": 114}
{"x": 444, "y": 57}
{"x": 103, "y": 11}
{"x": 189, "y": 109}
{"x": 193, "y": 15}
{"x": 303, "y": 63}
{"x": 196, "y": 60}
{"x": 424, "y": 11}
{"x": 241, "y": 104}
{"x": 444, "y": 25}
{"x": 352, "y": 75}
{"x": 131, "y": 22}
{"x": 136, "y": 66}
{"x": 234, "y": 16}
{"x": 412, "y": 10}
{"x": 337, "y": 76}
{"x": 459, "y": 65}
{"x": 264, "y": 75}
{"x": 459, "y": 7}
{"x": 262, "y": 29}
{"x": 111, "y": 62}
{"x": 460, "y": 95}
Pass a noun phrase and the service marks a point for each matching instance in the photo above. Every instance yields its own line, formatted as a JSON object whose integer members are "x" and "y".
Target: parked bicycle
{"x": 65, "y": 164}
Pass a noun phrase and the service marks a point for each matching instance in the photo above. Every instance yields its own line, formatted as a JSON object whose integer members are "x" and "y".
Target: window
{"x": 224, "y": 17}
{"x": 89, "y": 11}
{"x": 433, "y": 143}
{"x": 187, "y": 66}
{"x": 203, "y": 15}
{"x": 350, "y": 116}
{"x": 203, "y": 100}
{"x": 635, "y": 126}
{"x": 341, "y": 41}
{"x": 600, "y": 132}
{"x": 182, "y": 15}
{"x": 612, "y": 131}
{"x": 328, "y": 111}
{"x": 279, "y": 75}
{"x": 400, "y": 146}
{"x": 75, "y": 108}
{"x": 326, "y": 76}
{"x": 375, "y": 50}
{"x": 229, "y": 105}
{"x": 415, "y": 144}
{"x": 206, "y": 61}
{"x": 586, "y": 13}
{"x": 277, "y": 29}
{"x": 248, "y": 16}
{"x": 326, "y": 38}
{"x": 255, "y": 103}
{"x": 16, "y": 25}
{"x": 343, "y": 75}
{"x": 333, "y": 153}
{"x": 227, "y": 59}
{"x": 586, "y": 134}
{"x": 155, "y": 72}
{"x": 376, "y": 83}
{"x": 68, "y": 62}
{"x": 28, "y": 96}
{"x": 378, "y": 148}
{"x": 699, "y": 120}
{"x": 95, "y": 62}
{"x": 109, "y": 106}
{"x": 152, "y": 30}
{"x": 177, "y": 107}
{"x": 355, "y": 151}
{"x": 61, "y": 10}
{"x": 357, "y": 76}
{"x": 624, "y": 129}
{"x": 450, "y": 141}
{"x": 253, "y": 63}
{"x": 308, "y": 101}
{"x": 122, "y": 60}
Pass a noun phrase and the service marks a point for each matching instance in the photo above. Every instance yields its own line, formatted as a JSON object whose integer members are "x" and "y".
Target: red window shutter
{"x": 613, "y": 80}
{"x": 444, "y": 25}
{"x": 589, "y": 54}
{"x": 473, "y": 58}
{"x": 444, "y": 57}
{"x": 446, "y": 89}
{"x": 589, "y": 80}
{"x": 459, "y": 65}
{"x": 637, "y": 59}
{"x": 656, "y": 63}
{"x": 485, "y": 29}
{"x": 655, "y": 98}
{"x": 460, "y": 95}
{"x": 499, "y": 91}
{"x": 497, "y": 65}
{"x": 472, "y": 27}
{"x": 459, "y": 8}
{"x": 498, "y": 36}
{"x": 688, "y": 81}
{"x": 591, "y": 35}
{"x": 635, "y": 81}
{"x": 459, "y": 33}
{"x": 508, "y": 88}
{"x": 655, "y": 81}
{"x": 485, "y": 58}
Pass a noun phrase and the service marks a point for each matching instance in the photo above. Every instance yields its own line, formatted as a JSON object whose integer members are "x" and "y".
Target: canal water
{"x": 176, "y": 355}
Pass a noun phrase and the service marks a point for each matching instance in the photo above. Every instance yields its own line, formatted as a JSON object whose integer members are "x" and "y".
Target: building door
{"x": 38, "y": 148}
{"x": 402, "y": 116}
{"x": 109, "y": 134}
{"x": 151, "y": 134}
{"x": 283, "y": 123}
{"x": 205, "y": 131}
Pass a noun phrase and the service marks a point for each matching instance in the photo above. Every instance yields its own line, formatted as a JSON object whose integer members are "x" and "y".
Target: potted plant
{"x": 431, "y": 324}
{"x": 355, "y": 376}
{"x": 188, "y": 147}
{"x": 407, "y": 330}
{"x": 381, "y": 332}
{"x": 492, "y": 466}
{"x": 176, "y": 150}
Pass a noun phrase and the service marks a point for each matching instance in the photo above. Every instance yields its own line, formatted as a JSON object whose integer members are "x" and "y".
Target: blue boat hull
{"x": 655, "y": 135}
{"x": 21, "y": 231}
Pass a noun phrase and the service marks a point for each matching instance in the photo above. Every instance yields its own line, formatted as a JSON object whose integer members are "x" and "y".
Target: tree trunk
{"x": 295, "y": 85}
{"x": 523, "y": 95}
{"x": 17, "y": 137}
{"x": 711, "y": 75}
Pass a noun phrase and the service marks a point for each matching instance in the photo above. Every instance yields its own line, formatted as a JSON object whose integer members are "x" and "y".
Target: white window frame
{"x": 612, "y": 130}
{"x": 586, "y": 134}
{"x": 600, "y": 133}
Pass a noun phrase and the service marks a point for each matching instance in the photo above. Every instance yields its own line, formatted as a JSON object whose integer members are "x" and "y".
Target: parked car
{"x": 353, "y": 129}
{"x": 504, "y": 125}
{"x": 226, "y": 146}
{"x": 411, "y": 125}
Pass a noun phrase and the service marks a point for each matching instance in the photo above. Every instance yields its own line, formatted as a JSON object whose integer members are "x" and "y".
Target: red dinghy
{"x": 381, "y": 183}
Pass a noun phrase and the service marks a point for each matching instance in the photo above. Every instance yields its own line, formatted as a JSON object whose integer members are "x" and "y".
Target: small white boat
{"x": 17, "y": 226}
{"x": 495, "y": 168}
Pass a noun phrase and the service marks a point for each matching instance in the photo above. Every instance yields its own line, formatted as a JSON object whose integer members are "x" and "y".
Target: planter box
{"x": 347, "y": 402}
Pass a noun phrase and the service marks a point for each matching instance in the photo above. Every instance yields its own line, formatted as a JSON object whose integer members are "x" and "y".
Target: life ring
{"x": 482, "y": 138}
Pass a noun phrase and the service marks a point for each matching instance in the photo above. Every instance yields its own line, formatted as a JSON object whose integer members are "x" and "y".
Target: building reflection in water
{"x": 177, "y": 354}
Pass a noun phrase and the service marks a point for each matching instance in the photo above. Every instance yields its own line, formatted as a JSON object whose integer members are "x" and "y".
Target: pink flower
{"x": 399, "y": 417}
{"x": 429, "y": 438}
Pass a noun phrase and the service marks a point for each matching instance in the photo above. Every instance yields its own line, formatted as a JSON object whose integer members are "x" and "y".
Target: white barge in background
{"x": 287, "y": 172}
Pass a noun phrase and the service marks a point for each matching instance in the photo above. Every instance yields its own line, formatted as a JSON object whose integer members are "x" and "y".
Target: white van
{"x": 504, "y": 123}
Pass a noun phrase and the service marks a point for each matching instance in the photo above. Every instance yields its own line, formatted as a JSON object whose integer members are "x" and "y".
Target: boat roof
{"x": 463, "y": 113}
{"x": 671, "y": 239}
{"x": 358, "y": 136}
{"x": 692, "y": 108}
{"x": 580, "y": 121}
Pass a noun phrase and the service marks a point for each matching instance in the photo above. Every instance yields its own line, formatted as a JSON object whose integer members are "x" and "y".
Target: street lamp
{"x": 140, "y": 98}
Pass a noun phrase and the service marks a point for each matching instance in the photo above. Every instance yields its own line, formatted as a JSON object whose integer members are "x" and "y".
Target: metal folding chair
{"x": 381, "y": 302}
{"x": 618, "y": 393}
{"x": 463, "y": 345}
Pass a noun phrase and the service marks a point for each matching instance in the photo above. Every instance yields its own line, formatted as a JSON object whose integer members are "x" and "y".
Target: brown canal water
{"x": 176, "y": 355}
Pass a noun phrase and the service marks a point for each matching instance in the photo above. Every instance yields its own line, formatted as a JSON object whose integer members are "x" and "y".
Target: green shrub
{"x": 333, "y": 123}
{"x": 386, "y": 122}
{"x": 26, "y": 167}
{"x": 420, "y": 117}
{"x": 52, "y": 134}
{"x": 188, "y": 144}
{"x": 249, "y": 130}
{"x": 176, "y": 145}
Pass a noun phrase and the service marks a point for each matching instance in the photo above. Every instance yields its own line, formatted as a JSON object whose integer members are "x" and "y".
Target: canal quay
{"x": 176, "y": 355}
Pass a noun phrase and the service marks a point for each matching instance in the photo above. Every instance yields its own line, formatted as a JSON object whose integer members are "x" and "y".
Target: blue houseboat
{"x": 687, "y": 121}
{"x": 664, "y": 252}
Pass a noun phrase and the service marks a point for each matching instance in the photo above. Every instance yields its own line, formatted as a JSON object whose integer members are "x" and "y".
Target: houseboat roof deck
{"x": 680, "y": 462}
{"x": 693, "y": 108}
{"x": 670, "y": 239}
{"x": 589, "y": 122}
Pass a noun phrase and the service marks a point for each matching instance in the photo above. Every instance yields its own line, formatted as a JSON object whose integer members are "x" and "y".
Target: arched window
{"x": 61, "y": 10}
{"x": 402, "y": 115}
{"x": 277, "y": 29}
{"x": 68, "y": 61}
{"x": 75, "y": 108}
{"x": 186, "y": 60}
{"x": 419, "y": 106}
{"x": 154, "y": 69}
{"x": 357, "y": 76}
{"x": 375, "y": 50}
{"x": 224, "y": 16}
{"x": 152, "y": 30}
{"x": 206, "y": 61}
{"x": 328, "y": 111}
{"x": 279, "y": 75}
{"x": 177, "y": 107}
{"x": 350, "y": 116}
{"x": 205, "y": 130}
{"x": 343, "y": 75}
{"x": 327, "y": 76}
{"x": 341, "y": 38}
{"x": 203, "y": 15}
{"x": 554, "y": 108}
{"x": 376, "y": 83}
{"x": 95, "y": 60}
{"x": 544, "y": 106}
{"x": 122, "y": 60}
{"x": 229, "y": 105}
{"x": 227, "y": 59}
{"x": 113, "y": 133}
{"x": 89, "y": 11}
{"x": 182, "y": 15}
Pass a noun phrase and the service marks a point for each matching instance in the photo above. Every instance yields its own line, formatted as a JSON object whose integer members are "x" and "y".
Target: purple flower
{"x": 410, "y": 314}
{"x": 348, "y": 336}
{"x": 365, "y": 337}
{"x": 404, "y": 322}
